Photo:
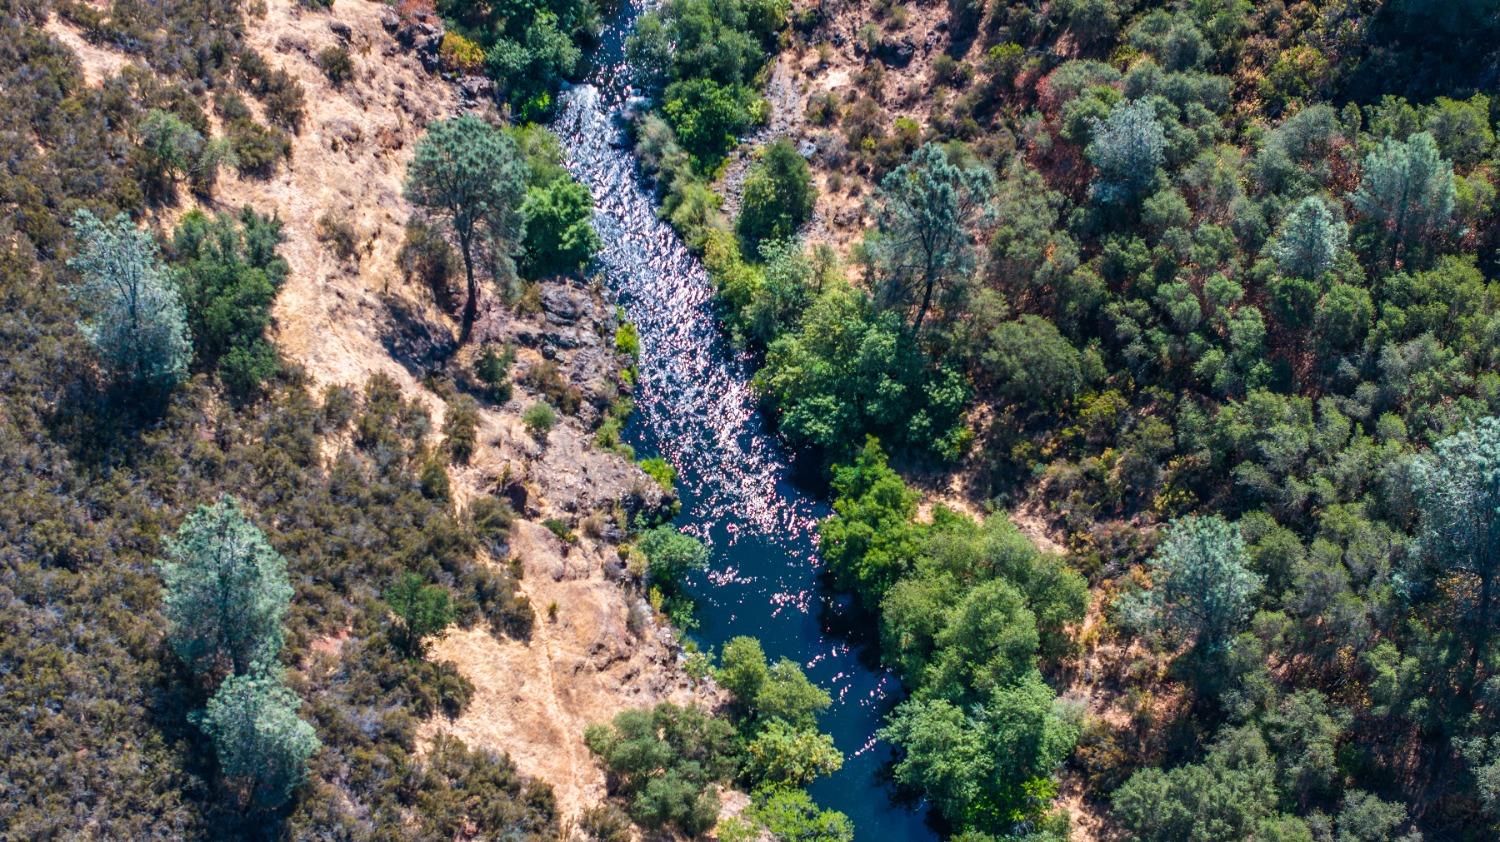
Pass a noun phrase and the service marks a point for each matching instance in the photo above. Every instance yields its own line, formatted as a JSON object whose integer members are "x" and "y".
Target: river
{"x": 695, "y": 408}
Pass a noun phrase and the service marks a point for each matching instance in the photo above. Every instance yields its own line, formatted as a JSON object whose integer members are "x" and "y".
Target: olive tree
{"x": 472, "y": 176}
{"x": 130, "y": 308}
{"x": 261, "y": 743}
{"x": 225, "y": 591}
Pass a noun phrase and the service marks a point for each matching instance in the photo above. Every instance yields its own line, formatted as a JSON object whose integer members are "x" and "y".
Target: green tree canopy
{"x": 1457, "y": 489}
{"x": 230, "y": 275}
{"x": 130, "y": 308}
{"x": 1028, "y": 360}
{"x": 1406, "y": 191}
{"x": 1309, "y": 240}
{"x": 420, "y": 610}
{"x": 1202, "y": 587}
{"x": 778, "y": 196}
{"x": 671, "y": 555}
{"x": 225, "y": 591}
{"x": 261, "y": 743}
{"x": 930, "y": 208}
{"x": 667, "y": 763}
{"x": 983, "y": 769}
{"x": 1128, "y": 148}
{"x": 1230, "y": 797}
{"x": 784, "y": 754}
{"x": 471, "y": 175}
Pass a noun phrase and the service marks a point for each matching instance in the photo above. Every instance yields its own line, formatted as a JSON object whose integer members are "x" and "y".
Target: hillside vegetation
{"x": 1206, "y": 289}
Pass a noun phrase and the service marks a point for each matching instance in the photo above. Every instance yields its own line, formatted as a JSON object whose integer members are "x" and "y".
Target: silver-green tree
{"x": 1457, "y": 489}
{"x": 261, "y": 743}
{"x": 131, "y": 311}
{"x": 1406, "y": 190}
{"x": 1202, "y": 585}
{"x": 929, "y": 208}
{"x": 1128, "y": 148}
{"x": 1309, "y": 240}
{"x": 472, "y": 176}
{"x": 225, "y": 592}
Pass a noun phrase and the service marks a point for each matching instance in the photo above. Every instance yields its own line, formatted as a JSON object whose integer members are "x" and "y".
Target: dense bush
{"x": 529, "y": 51}
{"x": 229, "y": 273}
{"x": 778, "y": 196}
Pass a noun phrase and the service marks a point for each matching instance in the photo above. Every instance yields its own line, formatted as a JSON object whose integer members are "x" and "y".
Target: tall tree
{"x": 471, "y": 175}
{"x": 225, "y": 591}
{"x": 261, "y": 743}
{"x": 131, "y": 310}
{"x": 1128, "y": 147}
{"x": 1203, "y": 586}
{"x": 1458, "y": 495}
{"x": 929, "y": 208}
{"x": 1310, "y": 240}
{"x": 1406, "y": 190}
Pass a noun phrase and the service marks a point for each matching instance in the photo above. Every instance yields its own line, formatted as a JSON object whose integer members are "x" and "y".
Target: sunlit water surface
{"x": 695, "y": 408}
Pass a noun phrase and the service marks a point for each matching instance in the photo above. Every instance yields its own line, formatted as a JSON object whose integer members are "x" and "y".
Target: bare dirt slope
{"x": 335, "y": 318}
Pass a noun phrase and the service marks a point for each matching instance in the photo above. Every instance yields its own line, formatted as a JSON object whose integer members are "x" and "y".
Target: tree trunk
{"x": 916, "y": 327}
{"x": 471, "y": 301}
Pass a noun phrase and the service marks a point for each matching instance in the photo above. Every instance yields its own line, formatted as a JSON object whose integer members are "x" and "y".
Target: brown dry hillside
{"x": 339, "y": 319}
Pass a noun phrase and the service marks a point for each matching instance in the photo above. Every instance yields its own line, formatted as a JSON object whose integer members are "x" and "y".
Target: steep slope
{"x": 344, "y": 320}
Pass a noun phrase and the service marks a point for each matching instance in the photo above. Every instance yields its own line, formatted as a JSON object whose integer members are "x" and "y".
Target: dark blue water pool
{"x": 694, "y": 408}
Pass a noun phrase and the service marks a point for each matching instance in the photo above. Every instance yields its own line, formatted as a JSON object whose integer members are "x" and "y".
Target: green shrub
{"x": 539, "y": 418}
{"x": 336, "y": 65}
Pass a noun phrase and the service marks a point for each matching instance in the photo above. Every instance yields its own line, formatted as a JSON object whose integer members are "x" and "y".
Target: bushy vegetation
{"x": 701, "y": 58}
{"x": 528, "y": 49}
{"x": 249, "y": 684}
{"x": 1215, "y": 292}
{"x": 668, "y": 763}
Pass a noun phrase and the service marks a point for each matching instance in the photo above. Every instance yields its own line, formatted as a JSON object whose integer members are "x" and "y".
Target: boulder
{"x": 896, "y": 52}
{"x": 476, "y": 87}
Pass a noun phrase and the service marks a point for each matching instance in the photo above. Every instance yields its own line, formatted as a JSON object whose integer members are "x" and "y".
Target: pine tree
{"x": 261, "y": 743}
{"x": 131, "y": 310}
{"x": 225, "y": 592}
{"x": 1309, "y": 241}
{"x": 1458, "y": 496}
{"x": 929, "y": 209}
{"x": 471, "y": 174}
{"x": 1128, "y": 147}
{"x": 1407, "y": 191}
{"x": 1203, "y": 586}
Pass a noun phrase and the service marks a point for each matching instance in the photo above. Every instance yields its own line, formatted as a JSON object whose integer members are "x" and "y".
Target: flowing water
{"x": 695, "y": 408}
